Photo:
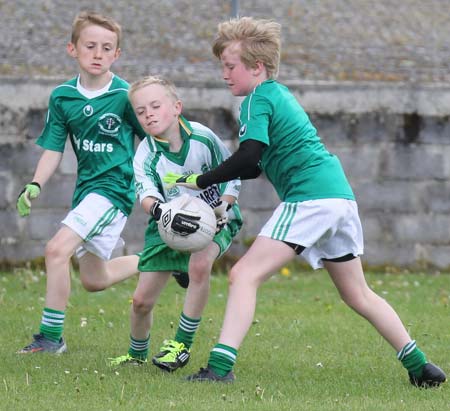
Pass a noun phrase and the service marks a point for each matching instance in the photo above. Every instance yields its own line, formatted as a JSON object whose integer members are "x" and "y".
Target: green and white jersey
{"x": 201, "y": 151}
{"x": 101, "y": 127}
{"x": 294, "y": 160}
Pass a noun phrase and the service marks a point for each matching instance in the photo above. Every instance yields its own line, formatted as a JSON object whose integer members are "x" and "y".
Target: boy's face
{"x": 240, "y": 79}
{"x": 96, "y": 50}
{"x": 156, "y": 110}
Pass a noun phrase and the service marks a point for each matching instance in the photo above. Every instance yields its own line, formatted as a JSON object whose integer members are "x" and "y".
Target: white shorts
{"x": 99, "y": 223}
{"x": 327, "y": 228}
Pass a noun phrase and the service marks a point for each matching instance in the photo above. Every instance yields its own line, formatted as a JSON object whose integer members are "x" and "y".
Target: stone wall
{"x": 392, "y": 138}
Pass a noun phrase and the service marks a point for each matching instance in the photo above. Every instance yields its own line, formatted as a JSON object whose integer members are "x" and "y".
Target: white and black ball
{"x": 187, "y": 224}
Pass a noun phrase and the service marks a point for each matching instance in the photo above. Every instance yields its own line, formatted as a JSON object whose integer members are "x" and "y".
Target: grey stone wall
{"x": 339, "y": 40}
{"x": 391, "y": 133}
{"x": 393, "y": 140}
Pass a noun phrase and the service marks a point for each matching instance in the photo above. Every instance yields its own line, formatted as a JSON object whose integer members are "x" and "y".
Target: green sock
{"x": 139, "y": 348}
{"x": 52, "y": 324}
{"x": 222, "y": 359}
{"x": 412, "y": 359}
{"x": 186, "y": 330}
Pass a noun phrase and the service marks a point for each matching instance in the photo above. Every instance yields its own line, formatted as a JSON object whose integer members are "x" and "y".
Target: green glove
{"x": 189, "y": 180}
{"x": 30, "y": 192}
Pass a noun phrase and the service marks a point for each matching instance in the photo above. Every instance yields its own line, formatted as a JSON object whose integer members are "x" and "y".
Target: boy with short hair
{"x": 317, "y": 216}
{"x": 94, "y": 111}
{"x": 174, "y": 143}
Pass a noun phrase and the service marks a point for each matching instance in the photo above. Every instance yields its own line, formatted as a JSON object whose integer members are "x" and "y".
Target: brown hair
{"x": 260, "y": 40}
{"x": 86, "y": 18}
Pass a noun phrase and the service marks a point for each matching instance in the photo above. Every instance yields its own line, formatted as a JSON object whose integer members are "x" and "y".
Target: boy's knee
{"x": 199, "y": 276}
{"x": 245, "y": 276}
{"x": 92, "y": 285}
{"x": 142, "y": 306}
{"x": 200, "y": 271}
{"x": 233, "y": 275}
{"x": 358, "y": 301}
{"x": 57, "y": 253}
{"x": 53, "y": 251}
{"x": 200, "y": 266}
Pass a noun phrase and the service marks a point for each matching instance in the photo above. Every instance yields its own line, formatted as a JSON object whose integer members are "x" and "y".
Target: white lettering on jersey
{"x": 76, "y": 141}
{"x": 92, "y": 147}
{"x": 211, "y": 196}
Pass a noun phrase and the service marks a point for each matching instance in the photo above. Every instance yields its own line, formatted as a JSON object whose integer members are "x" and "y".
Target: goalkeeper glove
{"x": 30, "y": 192}
{"x": 156, "y": 210}
{"x": 221, "y": 212}
{"x": 182, "y": 223}
{"x": 189, "y": 181}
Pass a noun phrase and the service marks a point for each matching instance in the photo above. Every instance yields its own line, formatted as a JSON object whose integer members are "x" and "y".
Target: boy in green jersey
{"x": 93, "y": 110}
{"x": 174, "y": 143}
{"x": 318, "y": 215}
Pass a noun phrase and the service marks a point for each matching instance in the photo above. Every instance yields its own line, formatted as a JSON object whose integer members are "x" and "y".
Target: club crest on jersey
{"x": 243, "y": 130}
{"x": 88, "y": 110}
{"x": 205, "y": 168}
{"x": 173, "y": 192}
{"x": 109, "y": 124}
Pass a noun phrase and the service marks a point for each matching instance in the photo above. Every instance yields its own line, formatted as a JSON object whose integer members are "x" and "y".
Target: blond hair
{"x": 86, "y": 18}
{"x": 149, "y": 80}
{"x": 260, "y": 40}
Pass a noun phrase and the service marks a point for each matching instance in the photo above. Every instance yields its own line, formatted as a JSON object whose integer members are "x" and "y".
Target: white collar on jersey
{"x": 93, "y": 93}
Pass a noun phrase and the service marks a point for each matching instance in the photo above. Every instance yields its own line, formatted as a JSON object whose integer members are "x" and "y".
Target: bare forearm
{"x": 47, "y": 165}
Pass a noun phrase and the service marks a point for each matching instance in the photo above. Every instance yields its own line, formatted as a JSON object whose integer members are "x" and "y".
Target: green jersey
{"x": 201, "y": 151}
{"x": 101, "y": 128}
{"x": 294, "y": 160}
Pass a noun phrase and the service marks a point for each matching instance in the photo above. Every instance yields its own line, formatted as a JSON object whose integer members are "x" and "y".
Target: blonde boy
{"x": 174, "y": 143}
{"x": 318, "y": 215}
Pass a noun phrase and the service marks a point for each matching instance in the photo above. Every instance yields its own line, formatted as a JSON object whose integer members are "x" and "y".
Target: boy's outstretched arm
{"x": 243, "y": 164}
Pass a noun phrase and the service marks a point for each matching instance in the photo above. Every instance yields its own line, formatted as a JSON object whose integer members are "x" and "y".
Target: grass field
{"x": 305, "y": 351}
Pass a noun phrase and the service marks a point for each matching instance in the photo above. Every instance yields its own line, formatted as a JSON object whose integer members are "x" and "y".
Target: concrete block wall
{"x": 393, "y": 140}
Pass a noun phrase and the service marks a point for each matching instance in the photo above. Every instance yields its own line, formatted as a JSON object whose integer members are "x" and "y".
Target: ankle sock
{"x": 412, "y": 358}
{"x": 139, "y": 348}
{"x": 222, "y": 359}
{"x": 186, "y": 330}
{"x": 52, "y": 324}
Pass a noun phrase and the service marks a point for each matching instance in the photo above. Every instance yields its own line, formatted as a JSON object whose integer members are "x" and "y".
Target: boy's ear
{"x": 259, "y": 68}
{"x": 71, "y": 50}
{"x": 178, "y": 107}
{"x": 118, "y": 52}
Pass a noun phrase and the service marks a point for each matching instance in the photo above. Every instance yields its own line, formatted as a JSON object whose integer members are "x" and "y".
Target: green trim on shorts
{"x": 105, "y": 220}
{"x": 284, "y": 222}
